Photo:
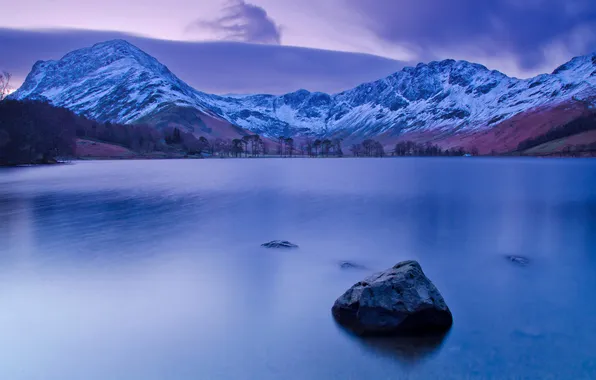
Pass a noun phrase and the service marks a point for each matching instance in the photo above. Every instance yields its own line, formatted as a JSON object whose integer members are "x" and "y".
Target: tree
{"x": 316, "y": 145}
{"x": 289, "y": 146}
{"x": 356, "y": 150}
{"x": 237, "y": 147}
{"x": 336, "y": 143}
{"x": 256, "y": 145}
{"x": 379, "y": 151}
{"x": 280, "y": 145}
{"x": 368, "y": 147}
{"x": 4, "y": 84}
{"x": 33, "y": 132}
{"x": 326, "y": 146}
{"x": 225, "y": 147}
{"x": 246, "y": 142}
{"x": 308, "y": 143}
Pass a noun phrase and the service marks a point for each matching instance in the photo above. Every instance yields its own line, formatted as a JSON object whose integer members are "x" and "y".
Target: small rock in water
{"x": 279, "y": 244}
{"x": 400, "y": 300}
{"x": 350, "y": 265}
{"x": 519, "y": 260}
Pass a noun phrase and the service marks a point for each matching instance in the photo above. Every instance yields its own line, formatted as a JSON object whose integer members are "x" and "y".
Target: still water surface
{"x": 153, "y": 269}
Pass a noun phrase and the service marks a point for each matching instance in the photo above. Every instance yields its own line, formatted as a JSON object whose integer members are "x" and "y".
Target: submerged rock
{"x": 519, "y": 260}
{"x": 279, "y": 244}
{"x": 350, "y": 265}
{"x": 400, "y": 300}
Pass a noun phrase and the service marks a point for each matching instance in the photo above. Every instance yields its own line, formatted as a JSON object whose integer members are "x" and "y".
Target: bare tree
{"x": 336, "y": 146}
{"x": 237, "y": 148}
{"x": 368, "y": 146}
{"x": 4, "y": 84}
{"x": 256, "y": 145}
{"x": 308, "y": 143}
{"x": 316, "y": 145}
{"x": 289, "y": 146}
{"x": 325, "y": 147}
{"x": 280, "y": 147}
{"x": 246, "y": 141}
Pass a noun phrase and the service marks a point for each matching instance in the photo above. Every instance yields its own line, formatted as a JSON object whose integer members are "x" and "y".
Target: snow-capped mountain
{"x": 118, "y": 82}
{"x": 111, "y": 81}
{"x": 452, "y": 95}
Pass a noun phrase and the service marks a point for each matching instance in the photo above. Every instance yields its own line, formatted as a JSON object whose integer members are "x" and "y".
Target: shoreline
{"x": 153, "y": 158}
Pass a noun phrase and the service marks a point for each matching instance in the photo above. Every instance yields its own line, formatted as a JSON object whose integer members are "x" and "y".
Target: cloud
{"x": 242, "y": 21}
{"x": 215, "y": 67}
{"x": 490, "y": 29}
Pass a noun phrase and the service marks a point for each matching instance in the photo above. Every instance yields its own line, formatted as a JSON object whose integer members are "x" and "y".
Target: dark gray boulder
{"x": 279, "y": 244}
{"x": 400, "y": 300}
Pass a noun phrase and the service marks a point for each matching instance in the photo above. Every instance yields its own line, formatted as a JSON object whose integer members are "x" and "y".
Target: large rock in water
{"x": 400, "y": 300}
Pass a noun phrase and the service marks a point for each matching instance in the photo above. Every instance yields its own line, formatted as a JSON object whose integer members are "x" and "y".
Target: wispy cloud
{"x": 241, "y": 21}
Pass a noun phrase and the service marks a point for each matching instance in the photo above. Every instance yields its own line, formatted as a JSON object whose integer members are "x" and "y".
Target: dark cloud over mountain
{"x": 242, "y": 21}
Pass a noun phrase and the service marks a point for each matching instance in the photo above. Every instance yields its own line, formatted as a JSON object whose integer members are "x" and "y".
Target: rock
{"x": 350, "y": 265}
{"x": 279, "y": 244}
{"x": 519, "y": 260}
{"x": 400, "y": 300}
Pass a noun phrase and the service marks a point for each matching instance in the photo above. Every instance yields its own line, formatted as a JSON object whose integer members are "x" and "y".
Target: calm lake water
{"x": 153, "y": 269}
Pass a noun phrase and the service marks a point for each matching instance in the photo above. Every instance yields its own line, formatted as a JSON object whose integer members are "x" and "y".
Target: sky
{"x": 521, "y": 38}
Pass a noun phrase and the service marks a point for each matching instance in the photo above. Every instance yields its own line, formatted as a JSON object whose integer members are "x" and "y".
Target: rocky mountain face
{"x": 115, "y": 81}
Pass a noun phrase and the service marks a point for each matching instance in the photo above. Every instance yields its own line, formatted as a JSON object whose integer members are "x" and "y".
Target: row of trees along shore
{"x": 372, "y": 148}
{"x": 254, "y": 145}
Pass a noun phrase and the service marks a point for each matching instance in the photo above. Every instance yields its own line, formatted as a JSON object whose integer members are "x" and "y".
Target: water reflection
{"x": 154, "y": 269}
{"x": 409, "y": 350}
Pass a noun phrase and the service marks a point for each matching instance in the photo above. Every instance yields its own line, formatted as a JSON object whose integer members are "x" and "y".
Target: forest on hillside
{"x": 36, "y": 132}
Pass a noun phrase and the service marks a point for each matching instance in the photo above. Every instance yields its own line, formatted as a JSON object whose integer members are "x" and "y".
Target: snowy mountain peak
{"x": 116, "y": 81}
{"x": 578, "y": 66}
{"x": 110, "y": 81}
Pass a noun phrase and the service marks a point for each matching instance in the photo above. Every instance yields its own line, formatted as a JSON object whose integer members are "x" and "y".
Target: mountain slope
{"x": 115, "y": 81}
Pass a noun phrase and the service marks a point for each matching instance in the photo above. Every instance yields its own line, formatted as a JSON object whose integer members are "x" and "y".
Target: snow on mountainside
{"x": 111, "y": 81}
{"x": 445, "y": 95}
{"x": 116, "y": 81}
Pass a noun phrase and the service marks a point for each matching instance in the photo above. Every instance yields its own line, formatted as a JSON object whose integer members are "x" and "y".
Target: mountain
{"x": 115, "y": 81}
{"x": 447, "y": 95}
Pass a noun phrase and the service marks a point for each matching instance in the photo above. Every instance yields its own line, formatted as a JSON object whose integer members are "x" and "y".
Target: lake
{"x": 154, "y": 269}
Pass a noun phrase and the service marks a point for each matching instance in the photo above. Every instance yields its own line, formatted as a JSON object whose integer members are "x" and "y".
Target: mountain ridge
{"x": 116, "y": 81}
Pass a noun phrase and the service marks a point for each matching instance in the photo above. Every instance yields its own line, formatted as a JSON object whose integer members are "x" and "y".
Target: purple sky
{"x": 519, "y": 37}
